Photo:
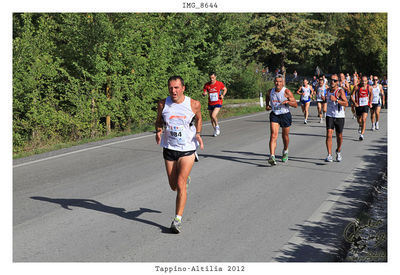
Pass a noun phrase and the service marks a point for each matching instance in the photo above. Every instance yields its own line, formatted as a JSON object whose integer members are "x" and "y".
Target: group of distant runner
{"x": 179, "y": 121}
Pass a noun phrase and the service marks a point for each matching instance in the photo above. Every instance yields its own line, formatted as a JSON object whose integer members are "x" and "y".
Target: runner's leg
{"x": 285, "y": 138}
{"x": 184, "y": 166}
{"x": 274, "y": 129}
{"x": 172, "y": 173}
{"x": 329, "y": 133}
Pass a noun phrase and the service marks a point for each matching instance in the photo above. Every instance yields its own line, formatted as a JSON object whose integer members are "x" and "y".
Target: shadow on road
{"x": 97, "y": 206}
{"x": 247, "y": 160}
{"x": 323, "y": 241}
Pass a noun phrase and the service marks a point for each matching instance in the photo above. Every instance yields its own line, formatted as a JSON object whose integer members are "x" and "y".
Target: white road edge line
{"x": 112, "y": 143}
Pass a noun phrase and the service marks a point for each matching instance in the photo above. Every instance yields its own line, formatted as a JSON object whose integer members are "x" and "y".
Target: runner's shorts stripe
{"x": 335, "y": 123}
{"x": 284, "y": 120}
{"x": 173, "y": 155}
{"x": 362, "y": 109}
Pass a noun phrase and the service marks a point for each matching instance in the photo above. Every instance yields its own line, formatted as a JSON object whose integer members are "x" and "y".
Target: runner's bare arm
{"x": 196, "y": 108}
{"x": 353, "y": 97}
{"x": 267, "y": 101}
{"x": 291, "y": 100}
{"x": 159, "y": 121}
{"x": 298, "y": 91}
{"x": 370, "y": 96}
{"x": 224, "y": 90}
{"x": 343, "y": 99}
{"x": 383, "y": 95}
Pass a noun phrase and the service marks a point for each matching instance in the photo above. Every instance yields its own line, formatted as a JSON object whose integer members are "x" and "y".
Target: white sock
{"x": 178, "y": 217}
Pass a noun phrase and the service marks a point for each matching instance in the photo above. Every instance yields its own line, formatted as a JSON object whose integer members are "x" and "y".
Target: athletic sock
{"x": 178, "y": 217}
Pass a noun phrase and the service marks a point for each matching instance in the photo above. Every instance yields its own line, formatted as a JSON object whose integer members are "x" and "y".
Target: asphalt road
{"x": 110, "y": 201}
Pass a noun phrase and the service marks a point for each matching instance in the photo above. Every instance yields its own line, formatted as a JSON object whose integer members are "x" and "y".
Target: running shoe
{"x": 305, "y": 121}
{"x": 338, "y": 156}
{"x": 176, "y": 226}
{"x": 377, "y": 125}
{"x": 272, "y": 160}
{"x": 329, "y": 158}
{"x": 285, "y": 156}
{"x": 361, "y": 137}
{"x": 359, "y": 130}
{"x": 373, "y": 127}
{"x": 321, "y": 120}
{"x": 217, "y": 131}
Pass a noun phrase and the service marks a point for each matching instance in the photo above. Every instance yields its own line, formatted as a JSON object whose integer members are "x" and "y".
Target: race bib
{"x": 363, "y": 101}
{"x": 214, "y": 97}
{"x": 176, "y": 135}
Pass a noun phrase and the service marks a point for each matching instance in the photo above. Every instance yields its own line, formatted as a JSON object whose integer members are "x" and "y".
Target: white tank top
{"x": 321, "y": 91}
{"x": 179, "y": 131}
{"x": 306, "y": 92}
{"x": 334, "y": 109}
{"x": 376, "y": 95}
{"x": 275, "y": 101}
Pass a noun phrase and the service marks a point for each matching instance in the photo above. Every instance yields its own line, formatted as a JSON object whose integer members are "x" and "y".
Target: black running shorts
{"x": 284, "y": 120}
{"x": 173, "y": 155}
{"x": 335, "y": 123}
{"x": 362, "y": 109}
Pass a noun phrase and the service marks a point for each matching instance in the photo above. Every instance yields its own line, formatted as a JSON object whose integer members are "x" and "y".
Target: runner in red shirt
{"x": 216, "y": 91}
{"x": 362, "y": 99}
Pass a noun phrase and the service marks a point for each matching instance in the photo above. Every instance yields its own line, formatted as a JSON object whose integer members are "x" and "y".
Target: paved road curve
{"x": 110, "y": 201}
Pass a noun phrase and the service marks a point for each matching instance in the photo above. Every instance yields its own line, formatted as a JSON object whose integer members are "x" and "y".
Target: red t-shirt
{"x": 362, "y": 96}
{"x": 214, "y": 91}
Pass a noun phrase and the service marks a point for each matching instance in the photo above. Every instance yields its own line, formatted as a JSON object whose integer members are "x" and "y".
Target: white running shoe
{"x": 359, "y": 130}
{"x": 305, "y": 121}
{"x": 373, "y": 127}
{"x": 338, "y": 156}
{"x": 361, "y": 137}
{"x": 377, "y": 125}
{"x": 329, "y": 158}
{"x": 321, "y": 120}
{"x": 217, "y": 131}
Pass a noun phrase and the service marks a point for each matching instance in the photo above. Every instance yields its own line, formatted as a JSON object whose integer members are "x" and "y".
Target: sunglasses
{"x": 334, "y": 80}
{"x": 376, "y": 79}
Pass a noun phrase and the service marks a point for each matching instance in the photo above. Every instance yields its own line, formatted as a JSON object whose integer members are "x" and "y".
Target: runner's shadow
{"x": 97, "y": 206}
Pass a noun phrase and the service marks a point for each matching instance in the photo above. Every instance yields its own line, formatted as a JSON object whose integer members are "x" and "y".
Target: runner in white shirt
{"x": 378, "y": 99}
{"x": 178, "y": 128}
{"x": 335, "y": 116}
{"x": 307, "y": 93}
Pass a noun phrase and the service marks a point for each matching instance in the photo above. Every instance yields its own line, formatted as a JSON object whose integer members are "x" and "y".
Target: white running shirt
{"x": 179, "y": 134}
{"x": 334, "y": 109}
{"x": 275, "y": 102}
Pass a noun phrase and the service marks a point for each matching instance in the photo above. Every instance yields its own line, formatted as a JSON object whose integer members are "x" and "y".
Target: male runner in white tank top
{"x": 278, "y": 100}
{"x": 179, "y": 121}
{"x": 378, "y": 100}
{"x": 335, "y": 116}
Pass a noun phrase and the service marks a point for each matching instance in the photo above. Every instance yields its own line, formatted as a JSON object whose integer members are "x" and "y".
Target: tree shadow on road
{"x": 322, "y": 238}
{"x": 97, "y": 206}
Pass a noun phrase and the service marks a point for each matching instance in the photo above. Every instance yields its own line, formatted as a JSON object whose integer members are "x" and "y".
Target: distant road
{"x": 110, "y": 201}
